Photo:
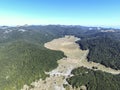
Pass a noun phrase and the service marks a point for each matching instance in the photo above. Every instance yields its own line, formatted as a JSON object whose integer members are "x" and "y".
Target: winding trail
{"x": 75, "y": 58}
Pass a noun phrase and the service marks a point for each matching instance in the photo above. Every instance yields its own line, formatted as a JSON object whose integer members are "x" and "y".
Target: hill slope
{"x": 103, "y": 50}
{"x": 94, "y": 80}
{"x": 22, "y": 63}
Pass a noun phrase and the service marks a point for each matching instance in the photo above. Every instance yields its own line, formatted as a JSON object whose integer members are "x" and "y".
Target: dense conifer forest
{"x": 94, "y": 80}
{"x": 24, "y": 59}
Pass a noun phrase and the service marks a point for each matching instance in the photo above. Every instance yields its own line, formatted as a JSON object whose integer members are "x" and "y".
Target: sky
{"x": 64, "y": 12}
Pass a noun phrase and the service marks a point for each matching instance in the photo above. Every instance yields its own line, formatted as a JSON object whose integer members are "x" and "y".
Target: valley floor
{"x": 75, "y": 58}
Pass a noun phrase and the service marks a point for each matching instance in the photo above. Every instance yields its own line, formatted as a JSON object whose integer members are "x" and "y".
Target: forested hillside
{"x": 94, "y": 80}
{"x": 22, "y": 63}
{"x": 104, "y": 49}
{"x": 24, "y": 59}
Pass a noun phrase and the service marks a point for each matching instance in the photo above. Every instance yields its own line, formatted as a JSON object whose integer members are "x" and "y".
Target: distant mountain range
{"x": 24, "y": 59}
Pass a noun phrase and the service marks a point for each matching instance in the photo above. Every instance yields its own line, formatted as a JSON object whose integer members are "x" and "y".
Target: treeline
{"x": 24, "y": 59}
{"x": 94, "y": 80}
{"x": 22, "y": 62}
{"x": 102, "y": 49}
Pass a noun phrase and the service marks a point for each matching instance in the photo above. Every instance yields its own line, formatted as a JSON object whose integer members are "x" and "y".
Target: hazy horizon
{"x": 63, "y": 12}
